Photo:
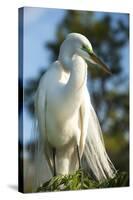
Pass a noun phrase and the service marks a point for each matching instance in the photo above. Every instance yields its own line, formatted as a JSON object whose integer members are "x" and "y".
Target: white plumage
{"x": 65, "y": 116}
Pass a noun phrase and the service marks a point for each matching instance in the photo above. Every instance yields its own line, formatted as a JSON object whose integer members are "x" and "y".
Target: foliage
{"x": 80, "y": 180}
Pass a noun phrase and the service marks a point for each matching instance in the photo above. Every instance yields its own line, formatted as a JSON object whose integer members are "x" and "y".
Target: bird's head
{"x": 80, "y": 45}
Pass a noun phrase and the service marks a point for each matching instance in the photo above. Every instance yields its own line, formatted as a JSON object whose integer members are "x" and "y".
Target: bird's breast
{"x": 60, "y": 132}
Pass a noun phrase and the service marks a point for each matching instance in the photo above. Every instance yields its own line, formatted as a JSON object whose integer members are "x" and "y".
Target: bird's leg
{"x": 78, "y": 157}
{"x": 80, "y": 166}
{"x": 54, "y": 153}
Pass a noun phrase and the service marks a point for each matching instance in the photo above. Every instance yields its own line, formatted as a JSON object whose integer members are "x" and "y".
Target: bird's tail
{"x": 96, "y": 158}
{"x": 42, "y": 172}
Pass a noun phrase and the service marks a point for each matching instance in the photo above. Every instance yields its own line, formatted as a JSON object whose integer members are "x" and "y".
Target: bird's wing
{"x": 43, "y": 154}
{"x": 92, "y": 144}
{"x": 84, "y": 117}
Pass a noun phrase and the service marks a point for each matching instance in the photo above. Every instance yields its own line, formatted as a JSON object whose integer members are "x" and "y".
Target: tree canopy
{"x": 110, "y": 93}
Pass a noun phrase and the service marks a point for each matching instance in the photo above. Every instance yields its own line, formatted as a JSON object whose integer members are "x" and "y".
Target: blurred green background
{"x": 109, "y": 35}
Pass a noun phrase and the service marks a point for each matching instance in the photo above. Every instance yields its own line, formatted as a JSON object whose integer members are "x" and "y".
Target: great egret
{"x": 68, "y": 126}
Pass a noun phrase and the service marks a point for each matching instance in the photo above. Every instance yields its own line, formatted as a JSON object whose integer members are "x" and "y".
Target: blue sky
{"x": 40, "y": 27}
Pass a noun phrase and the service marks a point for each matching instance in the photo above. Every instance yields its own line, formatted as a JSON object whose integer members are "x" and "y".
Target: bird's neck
{"x": 77, "y": 68}
{"x": 78, "y": 74}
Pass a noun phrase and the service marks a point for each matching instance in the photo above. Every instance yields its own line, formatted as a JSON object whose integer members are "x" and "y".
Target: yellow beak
{"x": 98, "y": 61}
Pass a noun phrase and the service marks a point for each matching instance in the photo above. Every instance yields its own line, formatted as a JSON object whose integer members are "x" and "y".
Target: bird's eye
{"x": 84, "y": 47}
{"x": 87, "y": 49}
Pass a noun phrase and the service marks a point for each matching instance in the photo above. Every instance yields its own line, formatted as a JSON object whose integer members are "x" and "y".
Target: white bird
{"x": 67, "y": 123}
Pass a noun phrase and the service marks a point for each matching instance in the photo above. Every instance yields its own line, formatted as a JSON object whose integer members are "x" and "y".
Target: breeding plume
{"x": 69, "y": 134}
